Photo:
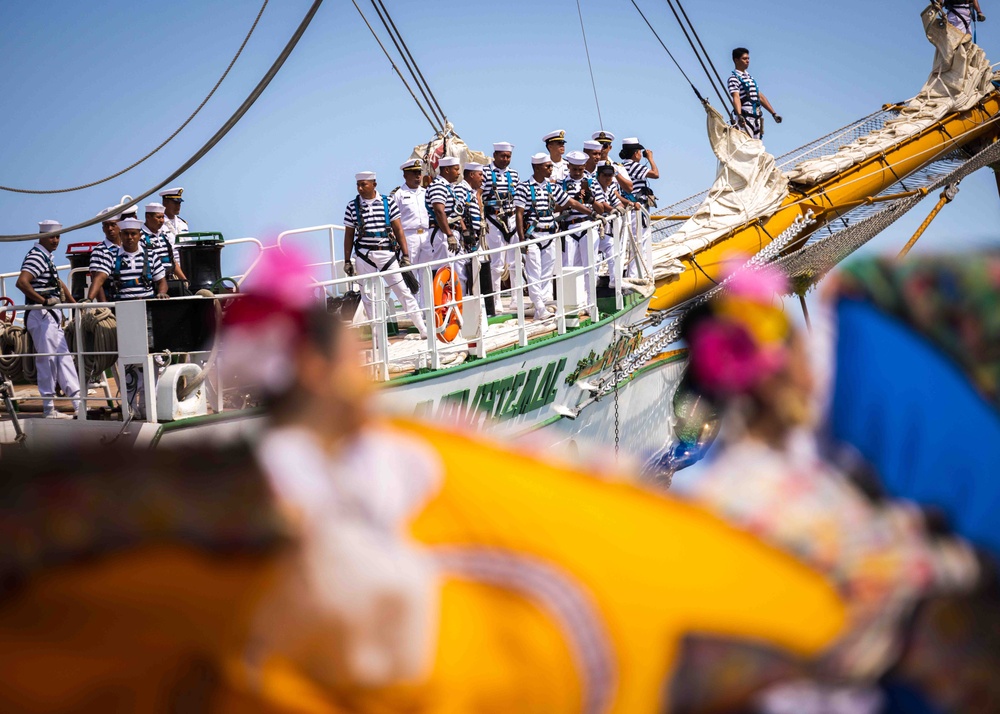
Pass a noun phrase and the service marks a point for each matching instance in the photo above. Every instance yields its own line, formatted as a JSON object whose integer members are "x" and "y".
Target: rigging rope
{"x": 409, "y": 54}
{"x": 586, "y": 48}
{"x": 697, "y": 54}
{"x": 210, "y": 144}
{"x": 165, "y": 141}
{"x": 402, "y": 79}
{"x": 669, "y": 53}
{"x": 718, "y": 77}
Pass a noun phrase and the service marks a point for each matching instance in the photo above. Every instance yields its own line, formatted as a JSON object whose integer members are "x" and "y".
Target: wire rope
{"x": 402, "y": 79}
{"x": 216, "y": 138}
{"x": 669, "y": 53}
{"x": 165, "y": 141}
{"x": 586, "y": 48}
{"x": 697, "y": 54}
{"x": 718, "y": 76}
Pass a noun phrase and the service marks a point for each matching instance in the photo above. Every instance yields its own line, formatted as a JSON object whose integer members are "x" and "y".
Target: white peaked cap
{"x": 49, "y": 226}
{"x": 448, "y": 161}
{"x": 577, "y": 158}
{"x": 176, "y": 192}
{"x": 411, "y": 164}
{"x": 592, "y": 145}
{"x": 154, "y": 208}
{"x": 630, "y": 140}
{"x": 557, "y": 134}
{"x": 503, "y": 146}
{"x": 472, "y": 166}
{"x": 129, "y": 223}
{"x": 364, "y": 176}
{"x": 605, "y": 136}
{"x": 540, "y": 159}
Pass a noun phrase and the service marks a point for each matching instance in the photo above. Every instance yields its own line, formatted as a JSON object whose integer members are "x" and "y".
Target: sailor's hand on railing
{"x": 404, "y": 261}
{"x": 85, "y": 301}
{"x": 51, "y": 300}
{"x": 452, "y": 243}
{"x": 161, "y": 296}
{"x": 348, "y": 268}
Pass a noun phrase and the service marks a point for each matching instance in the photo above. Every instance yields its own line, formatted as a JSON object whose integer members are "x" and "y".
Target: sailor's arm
{"x": 767, "y": 105}
{"x": 576, "y": 206}
{"x": 24, "y": 285}
{"x": 624, "y": 181}
{"x": 654, "y": 173}
{"x": 519, "y": 221}
{"x": 440, "y": 217}
{"x": 161, "y": 288}
{"x": 178, "y": 273}
{"x": 67, "y": 295}
{"x": 737, "y": 104}
{"x": 397, "y": 230}
{"x": 97, "y": 281}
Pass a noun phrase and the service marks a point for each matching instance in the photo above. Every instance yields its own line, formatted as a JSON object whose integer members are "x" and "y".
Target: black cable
{"x": 586, "y": 48}
{"x": 210, "y": 144}
{"x": 697, "y": 54}
{"x": 414, "y": 61}
{"x": 669, "y": 53}
{"x": 414, "y": 70}
{"x": 718, "y": 76}
{"x": 396, "y": 69}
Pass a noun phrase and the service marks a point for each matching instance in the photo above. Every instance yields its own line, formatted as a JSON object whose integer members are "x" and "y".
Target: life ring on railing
{"x": 447, "y": 304}
{"x": 7, "y": 315}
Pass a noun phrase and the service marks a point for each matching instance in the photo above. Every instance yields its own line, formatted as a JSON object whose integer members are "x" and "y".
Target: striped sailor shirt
{"x": 499, "y": 184}
{"x": 132, "y": 276}
{"x": 538, "y": 201}
{"x": 468, "y": 198}
{"x": 574, "y": 189}
{"x": 637, "y": 172}
{"x": 158, "y": 245}
{"x": 440, "y": 191}
{"x": 613, "y": 194}
{"x": 44, "y": 276}
{"x": 103, "y": 246}
{"x": 746, "y": 85}
{"x": 373, "y": 233}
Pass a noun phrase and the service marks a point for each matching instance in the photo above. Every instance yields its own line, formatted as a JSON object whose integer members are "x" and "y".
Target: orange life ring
{"x": 447, "y": 304}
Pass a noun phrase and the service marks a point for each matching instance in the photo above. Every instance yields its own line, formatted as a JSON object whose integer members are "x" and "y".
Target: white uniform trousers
{"x": 539, "y": 259}
{"x": 48, "y": 336}
{"x": 386, "y": 259}
{"x": 510, "y": 258}
{"x": 418, "y": 250}
{"x": 643, "y": 233}
{"x": 575, "y": 256}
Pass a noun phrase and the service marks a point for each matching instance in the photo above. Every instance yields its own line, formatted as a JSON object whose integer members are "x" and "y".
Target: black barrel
{"x": 200, "y": 256}
{"x": 79, "y": 257}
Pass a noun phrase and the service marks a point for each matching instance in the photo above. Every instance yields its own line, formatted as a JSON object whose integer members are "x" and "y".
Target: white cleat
{"x": 57, "y": 415}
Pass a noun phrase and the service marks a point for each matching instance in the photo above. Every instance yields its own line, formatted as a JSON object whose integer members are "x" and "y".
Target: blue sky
{"x": 90, "y": 87}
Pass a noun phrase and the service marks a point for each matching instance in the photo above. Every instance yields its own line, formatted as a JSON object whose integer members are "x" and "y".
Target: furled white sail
{"x": 747, "y": 185}
{"x": 960, "y": 78}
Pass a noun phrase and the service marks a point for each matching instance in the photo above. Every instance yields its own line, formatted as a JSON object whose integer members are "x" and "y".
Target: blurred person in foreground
{"x": 766, "y": 475}
{"x": 304, "y": 569}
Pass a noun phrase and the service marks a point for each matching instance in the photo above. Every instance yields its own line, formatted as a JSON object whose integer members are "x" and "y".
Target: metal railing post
{"x": 617, "y": 243}
{"x": 380, "y": 328}
{"x": 593, "y": 235}
{"x": 81, "y": 365}
{"x": 427, "y": 293}
{"x": 560, "y": 293}
{"x": 517, "y": 282}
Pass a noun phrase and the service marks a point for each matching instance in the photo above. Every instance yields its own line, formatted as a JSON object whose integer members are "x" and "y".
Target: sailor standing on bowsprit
{"x": 747, "y": 98}
{"x": 373, "y": 232}
{"x": 960, "y": 14}
{"x": 535, "y": 204}
{"x": 499, "y": 185}
{"x": 40, "y": 283}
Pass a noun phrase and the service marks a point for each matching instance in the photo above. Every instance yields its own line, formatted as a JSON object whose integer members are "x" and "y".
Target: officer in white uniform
{"x": 535, "y": 204}
{"x": 374, "y": 234}
{"x": 444, "y": 209}
{"x": 500, "y": 182}
{"x": 40, "y": 283}
{"x": 410, "y": 202}
{"x": 555, "y": 144}
{"x": 173, "y": 224}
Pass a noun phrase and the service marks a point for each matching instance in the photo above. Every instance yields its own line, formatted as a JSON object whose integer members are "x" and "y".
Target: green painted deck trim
{"x": 181, "y": 424}
{"x": 631, "y": 302}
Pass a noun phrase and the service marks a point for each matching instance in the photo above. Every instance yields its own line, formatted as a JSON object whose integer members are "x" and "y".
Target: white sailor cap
{"x": 577, "y": 158}
{"x": 174, "y": 194}
{"x": 412, "y": 165}
{"x": 472, "y": 166}
{"x": 541, "y": 158}
{"x": 49, "y": 226}
{"x": 130, "y": 224}
{"x": 448, "y": 161}
{"x": 557, "y": 135}
{"x": 631, "y": 144}
{"x": 108, "y": 214}
{"x": 502, "y": 146}
{"x": 592, "y": 146}
{"x": 154, "y": 208}
{"x": 364, "y": 176}
{"x": 605, "y": 137}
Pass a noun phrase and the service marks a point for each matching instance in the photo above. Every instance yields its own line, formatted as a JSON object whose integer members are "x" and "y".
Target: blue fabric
{"x": 915, "y": 417}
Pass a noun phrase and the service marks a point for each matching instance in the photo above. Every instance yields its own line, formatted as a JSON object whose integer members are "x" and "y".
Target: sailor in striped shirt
{"x": 468, "y": 191}
{"x": 155, "y": 238}
{"x": 132, "y": 272}
{"x": 604, "y": 140}
{"x": 536, "y": 203}
{"x": 499, "y": 185}
{"x": 112, "y": 241}
{"x": 631, "y": 154}
{"x": 445, "y": 209}
{"x": 747, "y": 98}
{"x": 959, "y": 13}
{"x": 606, "y": 172}
{"x": 373, "y": 232}
{"x": 588, "y": 192}
{"x": 40, "y": 283}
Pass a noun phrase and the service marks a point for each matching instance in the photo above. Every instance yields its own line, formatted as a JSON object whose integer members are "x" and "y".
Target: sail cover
{"x": 748, "y": 184}
{"x": 960, "y": 78}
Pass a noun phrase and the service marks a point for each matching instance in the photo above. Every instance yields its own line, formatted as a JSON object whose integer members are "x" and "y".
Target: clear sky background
{"x": 90, "y": 87}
